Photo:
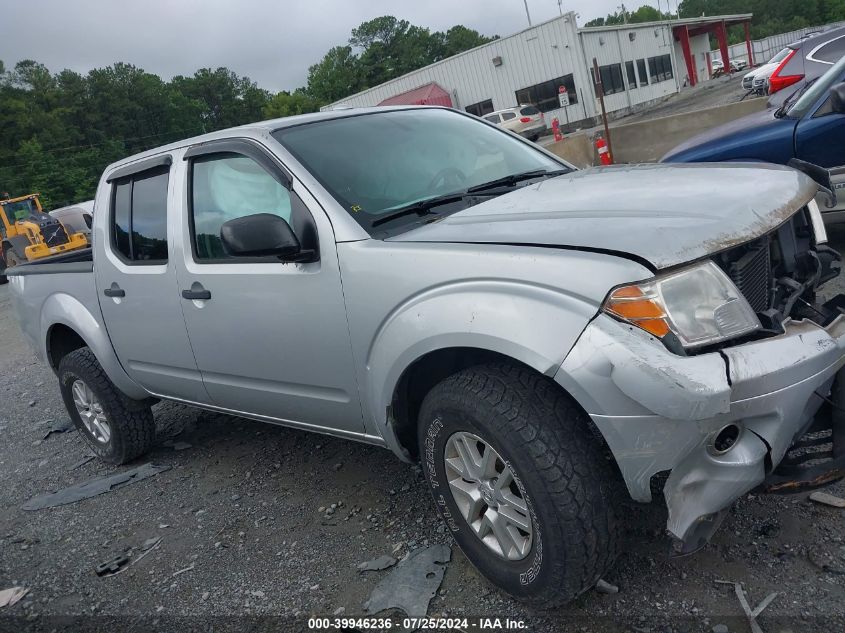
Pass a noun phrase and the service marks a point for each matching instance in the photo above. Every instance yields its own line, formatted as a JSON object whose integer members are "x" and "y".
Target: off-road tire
{"x": 131, "y": 421}
{"x": 11, "y": 259}
{"x": 565, "y": 475}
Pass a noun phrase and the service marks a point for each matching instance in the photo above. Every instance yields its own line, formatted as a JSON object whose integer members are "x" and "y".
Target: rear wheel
{"x": 521, "y": 481}
{"x": 11, "y": 258}
{"x": 117, "y": 428}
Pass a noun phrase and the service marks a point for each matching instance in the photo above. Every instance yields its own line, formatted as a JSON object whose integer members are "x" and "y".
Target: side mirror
{"x": 260, "y": 235}
{"x": 837, "y": 98}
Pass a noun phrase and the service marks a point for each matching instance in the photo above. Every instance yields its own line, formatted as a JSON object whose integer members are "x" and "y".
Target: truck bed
{"x": 78, "y": 261}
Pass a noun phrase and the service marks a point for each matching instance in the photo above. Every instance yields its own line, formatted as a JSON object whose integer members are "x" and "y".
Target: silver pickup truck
{"x": 545, "y": 341}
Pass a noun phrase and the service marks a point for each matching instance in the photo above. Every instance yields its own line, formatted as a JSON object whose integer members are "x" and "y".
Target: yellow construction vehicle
{"x": 28, "y": 233}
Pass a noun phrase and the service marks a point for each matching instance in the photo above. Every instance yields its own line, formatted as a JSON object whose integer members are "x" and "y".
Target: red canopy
{"x": 429, "y": 94}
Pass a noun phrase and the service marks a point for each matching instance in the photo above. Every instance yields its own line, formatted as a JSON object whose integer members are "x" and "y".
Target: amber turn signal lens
{"x": 631, "y": 304}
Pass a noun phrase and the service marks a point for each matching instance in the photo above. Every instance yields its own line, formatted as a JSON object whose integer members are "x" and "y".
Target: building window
{"x": 660, "y": 68}
{"x": 632, "y": 75}
{"x": 481, "y": 108}
{"x": 641, "y": 71}
{"x": 545, "y": 95}
{"x": 611, "y": 79}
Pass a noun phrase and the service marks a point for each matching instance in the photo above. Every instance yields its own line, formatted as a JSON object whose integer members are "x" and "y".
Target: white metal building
{"x": 639, "y": 63}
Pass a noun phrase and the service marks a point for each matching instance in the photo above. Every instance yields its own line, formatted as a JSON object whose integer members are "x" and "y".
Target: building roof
{"x": 729, "y": 20}
{"x": 429, "y": 94}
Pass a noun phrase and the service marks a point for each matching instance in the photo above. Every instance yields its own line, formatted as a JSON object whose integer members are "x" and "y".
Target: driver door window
{"x": 229, "y": 186}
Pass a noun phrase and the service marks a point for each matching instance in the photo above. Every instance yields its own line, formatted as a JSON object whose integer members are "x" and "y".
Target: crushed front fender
{"x": 660, "y": 412}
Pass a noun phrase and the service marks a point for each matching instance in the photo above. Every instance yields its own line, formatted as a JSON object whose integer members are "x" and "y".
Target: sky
{"x": 273, "y": 42}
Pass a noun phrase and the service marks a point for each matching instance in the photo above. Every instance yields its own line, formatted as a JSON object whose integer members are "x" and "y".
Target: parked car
{"x": 809, "y": 126}
{"x": 545, "y": 341}
{"x": 756, "y": 79}
{"x": 810, "y": 58}
{"x": 76, "y": 218}
{"x": 736, "y": 66}
{"x": 525, "y": 120}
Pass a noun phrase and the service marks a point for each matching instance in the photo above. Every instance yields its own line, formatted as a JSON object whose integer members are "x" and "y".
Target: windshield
{"x": 780, "y": 56}
{"x": 378, "y": 162}
{"x": 812, "y": 93}
{"x": 21, "y": 210}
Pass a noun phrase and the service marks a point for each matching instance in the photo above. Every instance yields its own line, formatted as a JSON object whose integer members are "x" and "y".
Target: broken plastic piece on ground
{"x": 602, "y": 586}
{"x": 377, "y": 564}
{"x": 413, "y": 583}
{"x": 122, "y": 565}
{"x": 94, "y": 487}
{"x": 112, "y": 566}
{"x": 177, "y": 446}
{"x": 11, "y": 596}
{"x": 746, "y": 608}
{"x": 59, "y": 427}
{"x": 827, "y": 499}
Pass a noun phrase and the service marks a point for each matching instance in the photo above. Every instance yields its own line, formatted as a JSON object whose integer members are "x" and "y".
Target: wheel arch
{"x": 67, "y": 325}
{"x": 428, "y": 370}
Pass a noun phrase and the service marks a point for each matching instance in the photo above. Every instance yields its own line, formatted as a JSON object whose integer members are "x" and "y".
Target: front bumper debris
{"x": 661, "y": 412}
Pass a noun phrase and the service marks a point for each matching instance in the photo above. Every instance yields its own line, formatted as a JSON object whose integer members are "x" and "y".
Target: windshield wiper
{"x": 510, "y": 181}
{"x": 783, "y": 110}
{"x": 420, "y": 207}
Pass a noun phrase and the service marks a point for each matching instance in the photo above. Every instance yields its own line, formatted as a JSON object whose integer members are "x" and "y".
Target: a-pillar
{"x": 748, "y": 44}
{"x": 682, "y": 33}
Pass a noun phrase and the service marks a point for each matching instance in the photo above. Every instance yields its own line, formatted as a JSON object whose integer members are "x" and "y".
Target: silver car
{"x": 546, "y": 342}
{"x": 525, "y": 120}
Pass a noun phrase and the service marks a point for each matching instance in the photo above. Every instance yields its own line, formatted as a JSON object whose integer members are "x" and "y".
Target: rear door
{"x": 136, "y": 281}
{"x": 270, "y": 338}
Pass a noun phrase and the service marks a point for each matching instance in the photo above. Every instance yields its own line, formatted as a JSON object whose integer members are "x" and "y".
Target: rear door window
{"x": 139, "y": 217}
{"x": 529, "y": 111}
{"x": 493, "y": 118}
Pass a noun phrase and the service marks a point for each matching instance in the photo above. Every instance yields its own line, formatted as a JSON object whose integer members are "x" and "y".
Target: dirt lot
{"x": 238, "y": 515}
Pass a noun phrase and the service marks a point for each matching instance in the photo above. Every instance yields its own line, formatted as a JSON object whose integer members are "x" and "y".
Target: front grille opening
{"x": 750, "y": 268}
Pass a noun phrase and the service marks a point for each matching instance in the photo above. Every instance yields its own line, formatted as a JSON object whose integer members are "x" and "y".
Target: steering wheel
{"x": 448, "y": 177}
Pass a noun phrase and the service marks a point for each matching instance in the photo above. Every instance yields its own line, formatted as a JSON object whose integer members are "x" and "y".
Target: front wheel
{"x": 521, "y": 482}
{"x": 117, "y": 428}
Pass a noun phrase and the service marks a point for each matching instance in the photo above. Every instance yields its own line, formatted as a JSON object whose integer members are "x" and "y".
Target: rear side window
{"x": 831, "y": 52}
{"x": 139, "y": 217}
{"x": 507, "y": 116}
{"x": 493, "y": 118}
{"x": 529, "y": 111}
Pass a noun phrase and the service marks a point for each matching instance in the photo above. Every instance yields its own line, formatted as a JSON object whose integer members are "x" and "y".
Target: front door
{"x": 820, "y": 139}
{"x": 136, "y": 283}
{"x": 270, "y": 338}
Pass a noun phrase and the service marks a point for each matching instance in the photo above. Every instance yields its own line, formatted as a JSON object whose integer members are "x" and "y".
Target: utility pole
{"x": 528, "y": 15}
{"x": 624, "y": 13}
{"x": 560, "y": 6}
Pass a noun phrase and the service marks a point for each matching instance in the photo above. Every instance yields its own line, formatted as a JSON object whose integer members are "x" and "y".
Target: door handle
{"x": 114, "y": 291}
{"x": 196, "y": 293}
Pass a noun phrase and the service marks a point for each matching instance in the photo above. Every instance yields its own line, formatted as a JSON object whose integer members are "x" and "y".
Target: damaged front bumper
{"x": 720, "y": 422}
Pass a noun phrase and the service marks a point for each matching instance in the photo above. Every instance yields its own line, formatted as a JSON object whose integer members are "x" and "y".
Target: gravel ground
{"x": 239, "y": 510}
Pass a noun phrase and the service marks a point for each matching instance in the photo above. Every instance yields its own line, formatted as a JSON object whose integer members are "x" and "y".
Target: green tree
{"x": 289, "y": 104}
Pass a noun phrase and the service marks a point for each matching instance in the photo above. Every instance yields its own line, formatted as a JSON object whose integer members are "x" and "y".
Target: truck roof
{"x": 260, "y": 129}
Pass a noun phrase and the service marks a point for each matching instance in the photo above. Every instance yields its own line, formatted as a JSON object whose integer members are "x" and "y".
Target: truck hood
{"x": 664, "y": 215}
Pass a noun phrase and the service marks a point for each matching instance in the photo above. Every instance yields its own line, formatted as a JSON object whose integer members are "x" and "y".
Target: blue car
{"x": 809, "y": 126}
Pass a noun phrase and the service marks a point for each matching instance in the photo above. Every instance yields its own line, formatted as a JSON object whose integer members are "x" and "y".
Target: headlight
{"x": 700, "y": 305}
